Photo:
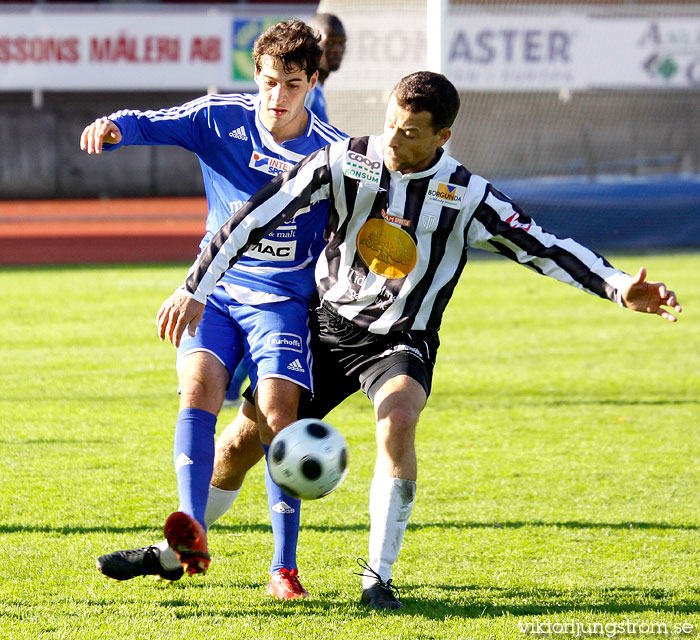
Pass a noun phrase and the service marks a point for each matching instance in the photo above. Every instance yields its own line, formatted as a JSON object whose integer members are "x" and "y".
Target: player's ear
{"x": 312, "y": 81}
{"x": 443, "y": 136}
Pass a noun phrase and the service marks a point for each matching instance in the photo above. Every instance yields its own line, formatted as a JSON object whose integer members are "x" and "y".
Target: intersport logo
{"x": 267, "y": 164}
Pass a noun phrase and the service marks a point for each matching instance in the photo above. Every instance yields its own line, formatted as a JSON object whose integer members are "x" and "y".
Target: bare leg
{"x": 398, "y": 404}
{"x": 237, "y": 450}
{"x": 277, "y": 401}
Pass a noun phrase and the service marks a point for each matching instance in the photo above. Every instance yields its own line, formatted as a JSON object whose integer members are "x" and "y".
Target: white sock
{"x": 390, "y": 504}
{"x": 218, "y": 503}
{"x": 168, "y": 558}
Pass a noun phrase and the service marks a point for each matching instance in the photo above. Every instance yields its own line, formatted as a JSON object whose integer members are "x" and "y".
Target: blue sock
{"x": 193, "y": 454}
{"x": 284, "y": 515}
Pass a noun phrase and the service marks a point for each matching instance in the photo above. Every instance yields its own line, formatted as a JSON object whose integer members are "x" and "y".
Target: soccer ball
{"x": 308, "y": 459}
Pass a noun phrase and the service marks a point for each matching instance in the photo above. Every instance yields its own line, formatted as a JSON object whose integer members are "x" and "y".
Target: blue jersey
{"x": 238, "y": 156}
{"x": 316, "y": 102}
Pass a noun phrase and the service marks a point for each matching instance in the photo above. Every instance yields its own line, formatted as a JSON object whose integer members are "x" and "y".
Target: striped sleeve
{"x": 500, "y": 226}
{"x": 289, "y": 193}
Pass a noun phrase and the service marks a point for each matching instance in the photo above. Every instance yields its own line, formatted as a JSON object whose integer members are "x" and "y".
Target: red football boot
{"x": 284, "y": 584}
{"x": 189, "y": 540}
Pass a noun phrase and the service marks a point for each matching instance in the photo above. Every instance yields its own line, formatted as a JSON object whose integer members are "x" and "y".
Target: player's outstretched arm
{"x": 178, "y": 312}
{"x": 96, "y": 134}
{"x": 650, "y": 297}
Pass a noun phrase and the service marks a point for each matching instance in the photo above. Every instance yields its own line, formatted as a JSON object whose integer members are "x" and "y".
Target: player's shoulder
{"x": 226, "y": 101}
{"x": 324, "y": 132}
{"x": 212, "y": 103}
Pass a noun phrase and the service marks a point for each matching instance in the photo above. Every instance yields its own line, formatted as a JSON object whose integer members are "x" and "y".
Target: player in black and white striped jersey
{"x": 402, "y": 215}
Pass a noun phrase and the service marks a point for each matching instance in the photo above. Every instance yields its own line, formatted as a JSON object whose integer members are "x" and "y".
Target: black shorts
{"x": 348, "y": 358}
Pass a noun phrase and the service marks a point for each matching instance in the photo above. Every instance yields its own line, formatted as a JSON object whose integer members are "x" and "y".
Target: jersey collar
{"x": 269, "y": 142}
{"x": 414, "y": 175}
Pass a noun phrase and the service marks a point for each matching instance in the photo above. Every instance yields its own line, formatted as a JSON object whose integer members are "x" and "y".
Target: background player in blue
{"x": 333, "y": 41}
{"x": 260, "y": 310}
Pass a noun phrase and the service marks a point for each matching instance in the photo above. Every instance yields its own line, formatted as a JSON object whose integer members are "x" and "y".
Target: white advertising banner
{"x": 112, "y": 50}
{"x": 495, "y": 52}
{"x": 645, "y": 53}
{"x": 381, "y": 47}
{"x": 168, "y": 49}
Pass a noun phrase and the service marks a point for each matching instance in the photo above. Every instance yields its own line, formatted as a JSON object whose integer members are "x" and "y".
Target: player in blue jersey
{"x": 260, "y": 311}
{"x": 333, "y": 41}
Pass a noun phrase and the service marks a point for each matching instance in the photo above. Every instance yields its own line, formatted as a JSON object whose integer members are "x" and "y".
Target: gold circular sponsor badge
{"x": 387, "y": 250}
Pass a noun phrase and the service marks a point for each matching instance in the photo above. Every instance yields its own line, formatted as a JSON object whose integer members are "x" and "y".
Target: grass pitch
{"x": 558, "y": 458}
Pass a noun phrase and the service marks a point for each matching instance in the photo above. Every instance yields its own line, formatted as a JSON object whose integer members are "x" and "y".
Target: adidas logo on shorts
{"x": 296, "y": 366}
{"x": 239, "y": 133}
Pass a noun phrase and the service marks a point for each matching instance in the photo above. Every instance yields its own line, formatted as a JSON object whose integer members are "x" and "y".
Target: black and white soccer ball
{"x": 308, "y": 459}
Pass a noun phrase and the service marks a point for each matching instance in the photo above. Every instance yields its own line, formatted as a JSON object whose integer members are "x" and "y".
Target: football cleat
{"x": 189, "y": 540}
{"x": 382, "y": 594}
{"x": 124, "y": 565}
{"x": 284, "y": 584}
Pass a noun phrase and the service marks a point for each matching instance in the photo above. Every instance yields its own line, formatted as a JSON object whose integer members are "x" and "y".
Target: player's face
{"x": 333, "y": 41}
{"x": 410, "y": 144}
{"x": 282, "y": 97}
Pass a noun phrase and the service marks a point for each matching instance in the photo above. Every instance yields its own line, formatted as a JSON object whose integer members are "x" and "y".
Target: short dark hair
{"x": 428, "y": 91}
{"x": 294, "y": 43}
{"x": 329, "y": 20}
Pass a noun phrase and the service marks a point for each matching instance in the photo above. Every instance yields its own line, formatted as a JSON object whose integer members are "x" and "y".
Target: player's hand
{"x": 96, "y": 134}
{"x": 175, "y": 314}
{"x": 650, "y": 297}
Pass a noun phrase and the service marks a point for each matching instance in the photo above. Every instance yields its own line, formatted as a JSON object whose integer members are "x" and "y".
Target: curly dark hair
{"x": 428, "y": 91}
{"x": 294, "y": 43}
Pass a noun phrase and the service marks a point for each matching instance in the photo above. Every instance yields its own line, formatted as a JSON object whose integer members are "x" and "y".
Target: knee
{"x": 280, "y": 416}
{"x": 397, "y": 427}
{"x": 277, "y": 410}
{"x": 201, "y": 391}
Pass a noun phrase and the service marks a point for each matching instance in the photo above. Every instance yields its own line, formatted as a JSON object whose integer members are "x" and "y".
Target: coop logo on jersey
{"x": 267, "y": 164}
{"x": 289, "y": 341}
{"x": 445, "y": 194}
{"x": 360, "y": 167}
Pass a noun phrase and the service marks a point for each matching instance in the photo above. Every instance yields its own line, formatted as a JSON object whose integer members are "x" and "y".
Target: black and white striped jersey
{"x": 397, "y": 243}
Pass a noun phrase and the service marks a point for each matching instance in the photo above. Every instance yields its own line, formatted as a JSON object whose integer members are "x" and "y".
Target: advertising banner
{"x": 572, "y": 50}
{"x": 170, "y": 49}
{"x": 114, "y": 50}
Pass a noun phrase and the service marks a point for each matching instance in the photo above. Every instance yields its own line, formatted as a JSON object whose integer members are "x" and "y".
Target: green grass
{"x": 559, "y": 470}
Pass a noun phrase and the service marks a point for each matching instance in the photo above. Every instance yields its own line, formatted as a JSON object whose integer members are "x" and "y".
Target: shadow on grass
{"x": 494, "y": 602}
{"x": 244, "y": 528}
{"x": 613, "y": 402}
{"x": 481, "y": 602}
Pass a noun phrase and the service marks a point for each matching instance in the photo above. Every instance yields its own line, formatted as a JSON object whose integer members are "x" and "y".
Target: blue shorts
{"x": 272, "y": 339}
